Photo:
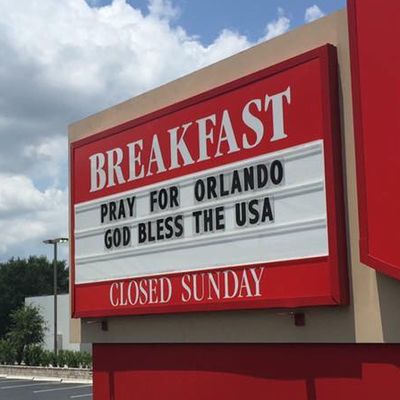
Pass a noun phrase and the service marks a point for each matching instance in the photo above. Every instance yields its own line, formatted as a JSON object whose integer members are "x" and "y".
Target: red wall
{"x": 236, "y": 371}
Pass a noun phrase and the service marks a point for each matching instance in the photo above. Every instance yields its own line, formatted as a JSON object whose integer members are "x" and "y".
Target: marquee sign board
{"x": 230, "y": 199}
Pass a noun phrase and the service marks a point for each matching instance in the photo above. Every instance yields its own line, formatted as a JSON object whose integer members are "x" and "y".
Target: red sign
{"x": 376, "y": 90}
{"x": 230, "y": 199}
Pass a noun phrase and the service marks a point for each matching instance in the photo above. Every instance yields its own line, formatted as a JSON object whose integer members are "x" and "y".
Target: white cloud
{"x": 278, "y": 26}
{"x": 163, "y": 9}
{"x": 18, "y": 195}
{"x": 48, "y": 158}
{"x": 28, "y": 215}
{"x": 312, "y": 13}
{"x": 64, "y": 60}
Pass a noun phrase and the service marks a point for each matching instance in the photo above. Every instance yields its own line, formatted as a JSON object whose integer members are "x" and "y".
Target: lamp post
{"x": 54, "y": 242}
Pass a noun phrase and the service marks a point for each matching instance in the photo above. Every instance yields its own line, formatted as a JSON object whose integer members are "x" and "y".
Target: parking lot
{"x": 30, "y": 389}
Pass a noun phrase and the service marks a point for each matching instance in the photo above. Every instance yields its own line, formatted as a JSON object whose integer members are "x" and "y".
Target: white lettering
{"x": 114, "y": 167}
{"x": 244, "y": 285}
{"x": 167, "y": 290}
{"x": 253, "y": 123}
{"x": 122, "y": 300}
{"x": 277, "y": 113}
{"x": 179, "y": 147}
{"x": 214, "y": 284}
{"x": 113, "y": 296}
{"x": 135, "y": 160}
{"x": 229, "y": 136}
{"x": 97, "y": 174}
{"x": 156, "y": 156}
{"x": 186, "y": 287}
{"x": 235, "y": 284}
{"x": 196, "y": 290}
{"x": 257, "y": 279}
{"x": 143, "y": 291}
{"x": 134, "y": 283}
{"x": 111, "y": 171}
{"x": 205, "y": 136}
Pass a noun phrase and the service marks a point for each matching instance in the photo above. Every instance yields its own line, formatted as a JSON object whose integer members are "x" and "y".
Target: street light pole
{"x": 54, "y": 242}
{"x": 55, "y": 296}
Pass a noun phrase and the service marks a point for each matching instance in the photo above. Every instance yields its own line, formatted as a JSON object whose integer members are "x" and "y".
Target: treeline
{"x": 20, "y": 278}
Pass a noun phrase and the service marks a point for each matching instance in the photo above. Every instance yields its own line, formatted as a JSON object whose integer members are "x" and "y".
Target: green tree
{"x": 20, "y": 278}
{"x": 27, "y": 328}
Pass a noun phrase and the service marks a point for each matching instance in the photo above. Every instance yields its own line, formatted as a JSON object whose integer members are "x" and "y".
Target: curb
{"x": 50, "y": 374}
{"x": 83, "y": 381}
{"x": 47, "y": 379}
{"x": 25, "y": 377}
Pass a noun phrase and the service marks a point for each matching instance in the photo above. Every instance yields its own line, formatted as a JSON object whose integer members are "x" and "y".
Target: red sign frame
{"x": 293, "y": 283}
{"x": 374, "y": 70}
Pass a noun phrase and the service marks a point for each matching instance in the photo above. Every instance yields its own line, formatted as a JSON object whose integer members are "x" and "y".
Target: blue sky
{"x": 206, "y": 18}
{"x": 64, "y": 60}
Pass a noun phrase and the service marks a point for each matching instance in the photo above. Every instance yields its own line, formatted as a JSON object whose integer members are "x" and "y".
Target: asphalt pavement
{"x": 30, "y": 389}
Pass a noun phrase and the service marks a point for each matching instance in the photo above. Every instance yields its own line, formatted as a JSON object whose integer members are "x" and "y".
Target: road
{"x": 28, "y": 389}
